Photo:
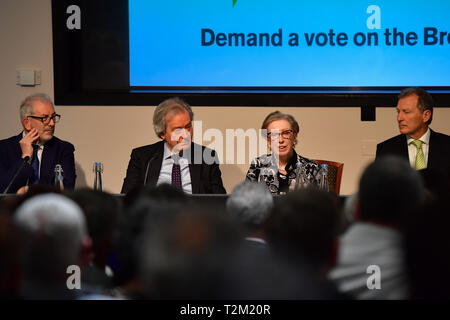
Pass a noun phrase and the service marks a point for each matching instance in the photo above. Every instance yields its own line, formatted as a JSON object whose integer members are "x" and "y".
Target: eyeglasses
{"x": 285, "y": 134}
{"x": 47, "y": 119}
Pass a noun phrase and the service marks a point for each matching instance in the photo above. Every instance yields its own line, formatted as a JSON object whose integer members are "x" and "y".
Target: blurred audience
{"x": 54, "y": 237}
{"x": 102, "y": 212}
{"x": 183, "y": 253}
{"x": 198, "y": 253}
{"x": 250, "y": 203}
{"x": 162, "y": 244}
{"x": 10, "y": 261}
{"x": 390, "y": 193}
{"x": 303, "y": 230}
{"x": 155, "y": 201}
{"x": 428, "y": 252}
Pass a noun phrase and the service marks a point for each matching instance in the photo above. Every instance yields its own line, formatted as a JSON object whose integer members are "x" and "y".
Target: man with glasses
{"x": 36, "y": 149}
{"x": 282, "y": 169}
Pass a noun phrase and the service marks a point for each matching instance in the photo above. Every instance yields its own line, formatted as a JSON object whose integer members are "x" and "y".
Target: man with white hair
{"x": 251, "y": 204}
{"x": 54, "y": 236}
{"x": 36, "y": 149}
{"x": 175, "y": 160}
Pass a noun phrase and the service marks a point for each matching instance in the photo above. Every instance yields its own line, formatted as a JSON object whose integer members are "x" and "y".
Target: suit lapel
{"x": 156, "y": 159}
{"x": 431, "y": 143}
{"x": 195, "y": 169}
{"x": 403, "y": 147}
{"x": 48, "y": 158}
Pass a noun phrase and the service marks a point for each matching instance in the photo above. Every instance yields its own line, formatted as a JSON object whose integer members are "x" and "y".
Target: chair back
{"x": 334, "y": 174}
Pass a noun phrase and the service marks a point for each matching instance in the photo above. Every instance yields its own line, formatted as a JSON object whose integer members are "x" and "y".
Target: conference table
{"x": 214, "y": 200}
{"x": 221, "y": 199}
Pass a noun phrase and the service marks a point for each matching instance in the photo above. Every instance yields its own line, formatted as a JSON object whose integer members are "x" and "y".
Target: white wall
{"x": 108, "y": 133}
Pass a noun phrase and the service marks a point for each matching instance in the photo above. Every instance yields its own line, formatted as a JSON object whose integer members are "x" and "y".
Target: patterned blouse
{"x": 264, "y": 169}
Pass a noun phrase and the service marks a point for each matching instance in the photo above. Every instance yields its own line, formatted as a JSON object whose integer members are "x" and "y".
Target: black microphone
{"x": 146, "y": 170}
{"x": 16, "y": 174}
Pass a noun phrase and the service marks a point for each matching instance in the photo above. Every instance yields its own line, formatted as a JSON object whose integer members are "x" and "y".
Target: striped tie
{"x": 420, "y": 159}
{"x": 35, "y": 164}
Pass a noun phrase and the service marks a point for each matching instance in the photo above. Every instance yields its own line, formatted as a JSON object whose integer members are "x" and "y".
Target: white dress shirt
{"x": 165, "y": 175}
{"x": 412, "y": 150}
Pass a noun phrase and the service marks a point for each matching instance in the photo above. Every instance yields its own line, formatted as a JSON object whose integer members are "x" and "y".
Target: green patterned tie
{"x": 420, "y": 159}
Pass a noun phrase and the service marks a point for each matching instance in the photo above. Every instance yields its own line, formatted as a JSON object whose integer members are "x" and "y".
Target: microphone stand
{"x": 16, "y": 174}
{"x": 146, "y": 170}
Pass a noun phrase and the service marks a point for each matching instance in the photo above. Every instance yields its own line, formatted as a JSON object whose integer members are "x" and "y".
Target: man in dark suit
{"x": 175, "y": 160}
{"x": 36, "y": 148}
{"x": 425, "y": 149}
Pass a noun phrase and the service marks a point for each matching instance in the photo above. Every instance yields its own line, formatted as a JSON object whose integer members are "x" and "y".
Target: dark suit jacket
{"x": 438, "y": 166}
{"x": 205, "y": 178}
{"x": 55, "y": 152}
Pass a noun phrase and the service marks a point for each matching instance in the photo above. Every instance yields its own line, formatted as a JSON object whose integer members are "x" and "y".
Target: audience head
{"x": 184, "y": 253}
{"x": 11, "y": 259}
{"x": 251, "y": 203}
{"x": 389, "y": 190}
{"x": 53, "y": 231}
{"x": 149, "y": 203}
{"x": 304, "y": 226}
{"x": 102, "y": 211}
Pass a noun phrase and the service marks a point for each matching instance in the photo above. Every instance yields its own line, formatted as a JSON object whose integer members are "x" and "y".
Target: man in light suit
{"x": 175, "y": 160}
{"x": 36, "y": 148}
{"x": 425, "y": 149}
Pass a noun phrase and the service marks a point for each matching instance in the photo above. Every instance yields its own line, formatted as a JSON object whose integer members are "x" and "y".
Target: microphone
{"x": 26, "y": 159}
{"x": 300, "y": 179}
{"x": 146, "y": 170}
{"x": 59, "y": 177}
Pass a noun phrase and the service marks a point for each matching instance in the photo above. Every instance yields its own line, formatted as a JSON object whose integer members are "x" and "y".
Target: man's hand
{"x": 22, "y": 190}
{"x": 26, "y": 143}
{"x": 183, "y": 138}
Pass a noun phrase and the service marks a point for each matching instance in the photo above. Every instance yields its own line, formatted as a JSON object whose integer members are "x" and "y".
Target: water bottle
{"x": 98, "y": 170}
{"x": 300, "y": 179}
{"x": 59, "y": 178}
{"x": 324, "y": 178}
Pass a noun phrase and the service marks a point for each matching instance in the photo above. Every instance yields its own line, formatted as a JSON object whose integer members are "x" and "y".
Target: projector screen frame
{"x": 73, "y": 60}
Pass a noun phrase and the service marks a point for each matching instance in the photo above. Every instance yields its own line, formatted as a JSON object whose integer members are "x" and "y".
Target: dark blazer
{"x": 205, "y": 178}
{"x": 55, "y": 152}
{"x": 438, "y": 166}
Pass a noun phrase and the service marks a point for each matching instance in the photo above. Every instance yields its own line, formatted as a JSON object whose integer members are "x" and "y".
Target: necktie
{"x": 35, "y": 164}
{"x": 176, "y": 175}
{"x": 420, "y": 159}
